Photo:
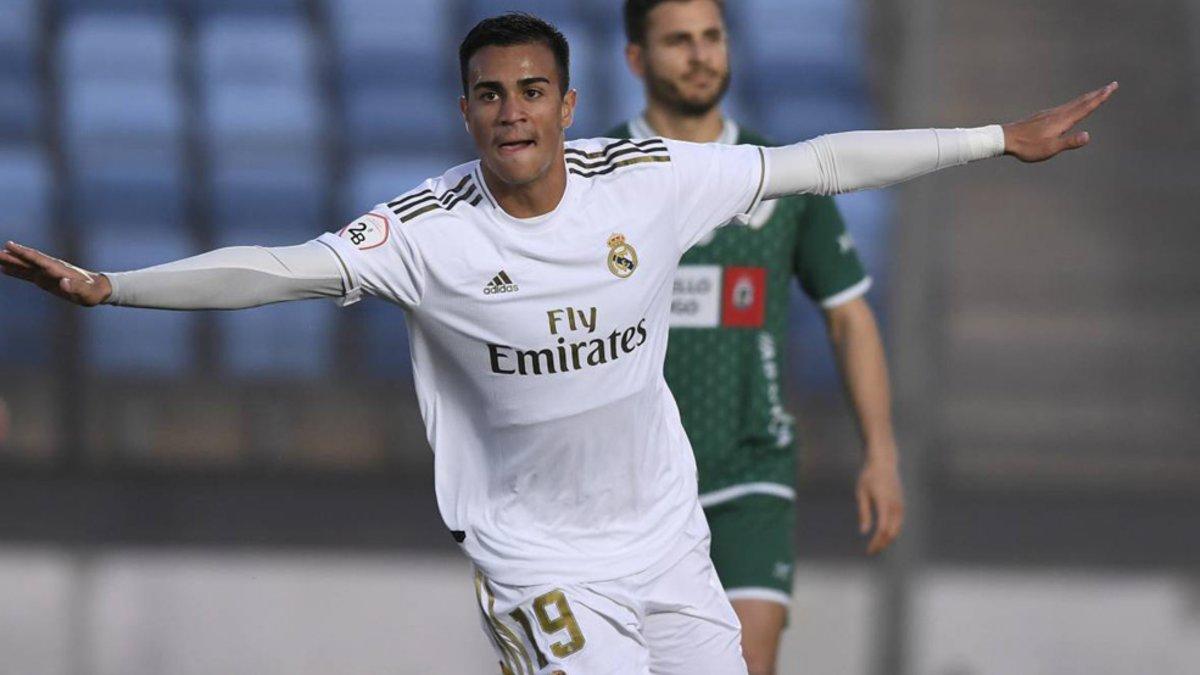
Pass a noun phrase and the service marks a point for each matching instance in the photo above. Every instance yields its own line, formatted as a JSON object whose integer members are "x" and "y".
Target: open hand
{"x": 53, "y": 275}
{"x": 880, "y": 502}
{"x": 1047, "y": 133}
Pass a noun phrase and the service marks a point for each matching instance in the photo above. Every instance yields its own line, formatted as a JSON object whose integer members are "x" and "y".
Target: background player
{"x": 561, "y": 465}
{"x": 729, "y": 318}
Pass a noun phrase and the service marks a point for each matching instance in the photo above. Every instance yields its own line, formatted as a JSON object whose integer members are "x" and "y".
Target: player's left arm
{"x": 858, "y": 348}
{"x": 862, "y": 160}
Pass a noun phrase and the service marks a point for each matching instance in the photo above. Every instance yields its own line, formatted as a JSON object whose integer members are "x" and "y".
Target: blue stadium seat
{"x": 275, "y": 52}
{"x": 18, "y": 38}
{"x": 123, "y": 121}
{"x": 294, "y": 339}
{"x": 20, "y": 106}
{"x": 125, "y": 152}
{"x": 375, "y": 34}
{"x": 290, "y": 200}
{"x": 122, "y": 341}
{"x": 374, "y": 181}
{"x": 263, "y": 126}
{"x": 261, "y": 105}
{"x": 124, "y": 49}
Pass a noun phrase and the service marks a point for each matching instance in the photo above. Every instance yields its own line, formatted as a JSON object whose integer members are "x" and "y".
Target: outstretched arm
{"x": 861, "y": 160}
{"x": 228, "y": 278}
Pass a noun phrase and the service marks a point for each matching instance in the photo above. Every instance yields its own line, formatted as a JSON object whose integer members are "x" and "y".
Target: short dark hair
{"x": 516, "y": 28}
{"x": 636, "y": 12}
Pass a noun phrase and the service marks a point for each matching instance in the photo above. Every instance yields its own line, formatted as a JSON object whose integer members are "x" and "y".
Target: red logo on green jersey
{"x": 744, "y": 299}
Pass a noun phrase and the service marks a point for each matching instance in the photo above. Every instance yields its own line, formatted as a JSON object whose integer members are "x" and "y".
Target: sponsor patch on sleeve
{"x": 369, "y": 231}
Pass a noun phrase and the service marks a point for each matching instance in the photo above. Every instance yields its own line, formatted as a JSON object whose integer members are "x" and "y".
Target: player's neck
{"x": 529, "y": 200}
{"x": 705, "y": 128}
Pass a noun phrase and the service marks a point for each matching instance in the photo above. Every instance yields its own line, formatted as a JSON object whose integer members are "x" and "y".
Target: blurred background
{"x": 252, "y": 492}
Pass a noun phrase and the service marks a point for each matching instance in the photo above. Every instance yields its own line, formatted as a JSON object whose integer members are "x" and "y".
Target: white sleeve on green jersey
{"x": 862, "y": 160}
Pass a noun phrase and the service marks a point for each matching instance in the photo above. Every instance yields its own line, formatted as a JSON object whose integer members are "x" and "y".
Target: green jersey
{"x": 728, "y": 319}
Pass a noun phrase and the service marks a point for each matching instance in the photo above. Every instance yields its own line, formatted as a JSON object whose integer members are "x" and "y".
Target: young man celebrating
{"x": 537, "y": 282}
{"x": 728, "y": 317}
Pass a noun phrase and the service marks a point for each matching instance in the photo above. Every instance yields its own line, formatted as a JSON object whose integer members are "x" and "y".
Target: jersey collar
{"x": 639, "y": 128}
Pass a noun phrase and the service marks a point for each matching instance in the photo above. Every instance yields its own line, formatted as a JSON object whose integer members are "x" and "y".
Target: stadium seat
{"x": 19, "y": 30}
{"x": 124, "y": 146}
{"x": 125, "y": 49}
{"x": 263, "y": 51}
{"x": 20, "y": 106}
{"x": 261, "y": 107}
{"x": 263, "y": 126}
{"x": 382, "y": 45}
{"x": 123, "y": 121}
{"x": 125, "y": 342}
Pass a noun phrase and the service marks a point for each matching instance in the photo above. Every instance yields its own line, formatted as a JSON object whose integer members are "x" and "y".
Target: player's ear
{"x": 462, "y": 108}
{"x": 568, "y": 109}
{"x": 634, "y": 56}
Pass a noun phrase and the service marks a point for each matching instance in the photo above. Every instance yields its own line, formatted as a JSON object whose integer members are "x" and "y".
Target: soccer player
{"x": 537, "y": 285}
{"x": 728, "y": 318}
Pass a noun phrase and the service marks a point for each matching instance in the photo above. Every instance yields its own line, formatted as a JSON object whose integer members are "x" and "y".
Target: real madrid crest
{"x": 622, "y": 258}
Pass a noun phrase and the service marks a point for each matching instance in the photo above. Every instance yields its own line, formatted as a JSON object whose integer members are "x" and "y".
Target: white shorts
{"x": 676, "y": 622}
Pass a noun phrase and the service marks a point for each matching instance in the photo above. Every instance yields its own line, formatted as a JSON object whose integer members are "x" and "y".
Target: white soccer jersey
{"x": 538, "y": 347}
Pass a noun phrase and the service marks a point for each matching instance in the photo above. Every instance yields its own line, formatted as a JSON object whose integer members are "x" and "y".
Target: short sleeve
{"x": 377, "y": 257}
{"x": 826, "y": 261}
{"x": 715, "y": 183}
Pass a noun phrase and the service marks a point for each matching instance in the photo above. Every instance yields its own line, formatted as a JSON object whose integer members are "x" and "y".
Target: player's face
{"x": 515, "y": 111}
{"x": 685, "y": 61}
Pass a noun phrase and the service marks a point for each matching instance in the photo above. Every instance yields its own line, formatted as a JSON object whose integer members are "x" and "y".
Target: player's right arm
{"x": 370, "y": 255}
{"x": 228, "y": 278}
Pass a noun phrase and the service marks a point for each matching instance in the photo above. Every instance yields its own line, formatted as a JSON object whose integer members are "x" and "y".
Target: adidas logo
{"x": 500, "y": 283}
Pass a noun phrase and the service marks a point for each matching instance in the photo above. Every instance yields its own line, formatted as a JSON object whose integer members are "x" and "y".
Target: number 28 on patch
{"x": 369, "y": 231}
